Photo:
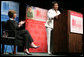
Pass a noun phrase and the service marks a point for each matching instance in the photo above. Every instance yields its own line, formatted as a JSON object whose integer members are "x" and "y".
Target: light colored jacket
{"x": 51, "y": 14}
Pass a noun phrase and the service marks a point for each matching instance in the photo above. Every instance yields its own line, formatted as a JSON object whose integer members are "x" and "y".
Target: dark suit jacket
{"x": 13, "y": 25}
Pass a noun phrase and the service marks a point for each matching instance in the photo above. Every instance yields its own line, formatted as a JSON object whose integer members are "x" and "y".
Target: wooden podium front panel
{"x": 75, "y": 43}
{"x": 59, "y": 34}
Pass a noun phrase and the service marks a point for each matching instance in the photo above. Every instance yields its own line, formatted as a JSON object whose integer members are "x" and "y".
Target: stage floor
{"x": 34, "y": 54}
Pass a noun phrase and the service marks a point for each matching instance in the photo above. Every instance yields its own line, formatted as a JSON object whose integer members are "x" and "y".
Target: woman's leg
{"x": 48, "y": 39}
{"x": 28, "y": 39}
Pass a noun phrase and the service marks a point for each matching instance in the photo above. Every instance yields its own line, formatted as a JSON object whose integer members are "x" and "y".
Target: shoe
{"x": 27, "y": 53}
{"x": 35, "y": 47}
{"x": 49, "y": 53}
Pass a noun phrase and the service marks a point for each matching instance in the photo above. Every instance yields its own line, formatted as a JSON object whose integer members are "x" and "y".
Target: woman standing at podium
{"x": 52, "y": 14}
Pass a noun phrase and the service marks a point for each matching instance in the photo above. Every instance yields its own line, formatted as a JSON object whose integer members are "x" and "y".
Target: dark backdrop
{"x": 76, "y": 5}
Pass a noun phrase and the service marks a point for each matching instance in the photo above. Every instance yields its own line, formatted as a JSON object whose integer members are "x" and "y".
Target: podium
{"x": 67, "y": 35}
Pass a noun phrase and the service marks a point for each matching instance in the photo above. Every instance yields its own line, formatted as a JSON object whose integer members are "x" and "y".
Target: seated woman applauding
{"x": 27, "y": 39}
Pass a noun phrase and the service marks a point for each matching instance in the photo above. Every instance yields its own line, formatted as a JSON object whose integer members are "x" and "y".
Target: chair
{"x": 8, "y": 37}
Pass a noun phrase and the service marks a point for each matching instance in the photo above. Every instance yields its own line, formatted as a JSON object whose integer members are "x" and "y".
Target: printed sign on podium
{"x": 76, "y": 22}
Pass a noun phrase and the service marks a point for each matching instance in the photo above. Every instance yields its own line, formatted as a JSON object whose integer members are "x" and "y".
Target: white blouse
{"x": 51, "y": 14}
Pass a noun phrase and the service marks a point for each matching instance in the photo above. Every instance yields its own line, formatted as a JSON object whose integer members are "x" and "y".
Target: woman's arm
{"x": 21, "y": 23}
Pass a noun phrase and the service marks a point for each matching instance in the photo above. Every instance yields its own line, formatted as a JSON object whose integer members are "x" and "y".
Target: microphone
{"x": 61, "y": 9}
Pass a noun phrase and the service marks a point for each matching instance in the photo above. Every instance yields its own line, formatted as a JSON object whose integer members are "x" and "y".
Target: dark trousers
{"x": 26, "y": 37}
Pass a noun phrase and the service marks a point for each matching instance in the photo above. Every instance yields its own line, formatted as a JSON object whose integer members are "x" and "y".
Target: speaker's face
{"x": 56, "y": 6}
